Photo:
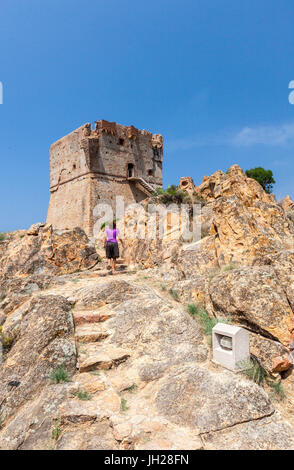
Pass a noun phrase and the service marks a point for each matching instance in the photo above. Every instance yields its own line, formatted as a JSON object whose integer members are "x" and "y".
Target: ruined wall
{"x": 88, "y": 166}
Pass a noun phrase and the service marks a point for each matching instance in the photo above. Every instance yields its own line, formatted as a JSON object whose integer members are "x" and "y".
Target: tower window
{"x": 131, "y": 170}
{"x": 121, "y": 141}
{"x": 150, "y": 172}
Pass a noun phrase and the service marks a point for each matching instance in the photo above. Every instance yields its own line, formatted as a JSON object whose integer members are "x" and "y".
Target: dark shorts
{"x": 112, "y": 250}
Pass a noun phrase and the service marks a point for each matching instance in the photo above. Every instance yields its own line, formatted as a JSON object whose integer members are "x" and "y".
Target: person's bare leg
{"x": 114, "y": 265}
{"x": 109, "y": 263}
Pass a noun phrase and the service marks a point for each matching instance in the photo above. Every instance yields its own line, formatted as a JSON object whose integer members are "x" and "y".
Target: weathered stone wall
{"x": 90, "y": 166}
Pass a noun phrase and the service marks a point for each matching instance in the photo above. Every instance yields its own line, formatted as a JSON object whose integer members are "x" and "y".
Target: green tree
{"x": 264, "y": 177}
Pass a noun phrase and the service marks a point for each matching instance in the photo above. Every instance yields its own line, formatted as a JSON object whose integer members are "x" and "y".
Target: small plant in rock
{"x": 6, "y": 340}
{"x": 1, "y": 421}
{"x": 278, "y": 390}
{"x": 174, "y": 294}
{"x": 95, "y": 372}
{"x": 253, "y": 370}
{"x": 81, "y": 395}
{"x": 229, "y": 267}
{"x": 123, "y": 404}
{"x": 163, "y": 287}
{"x": 2, "y": 236}
{"x": 59, "y": 375}
{"x": 132, "y": 389}
{"x": 206, "y": 323}
{"x": 193, "y": 309}
{"x": 214, "y": 272}
{"x": 56, "y": 432}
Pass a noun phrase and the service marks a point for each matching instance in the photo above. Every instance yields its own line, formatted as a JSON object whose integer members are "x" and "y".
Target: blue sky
{"x": 211, "y": 75}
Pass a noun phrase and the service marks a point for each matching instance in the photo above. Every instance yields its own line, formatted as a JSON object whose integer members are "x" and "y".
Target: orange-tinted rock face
{"x": 281, "y": 364}
{"x": 287, "y": 204}
{"x": 42, "y": 251}
{"x": 248, "y": 222}
{"x": 187, "y": 184}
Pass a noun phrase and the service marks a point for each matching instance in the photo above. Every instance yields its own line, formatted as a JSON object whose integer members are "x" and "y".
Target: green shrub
{"x": 172, "y": 189}
{"x": 193, "y": 309}
{"x": 2, "y": 236}
{"x": 163, "y": 287}
{"x": 59, "y": 375}
{"x": 157, "y": 192}
{"x": 172, "y": 195}
{"x": 264, "y": 177}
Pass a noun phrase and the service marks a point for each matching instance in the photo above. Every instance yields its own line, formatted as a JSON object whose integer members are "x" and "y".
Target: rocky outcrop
{"x": 42, "y": 250}
{"x": 29, "y": 260}
{"x": 139, "y": 366}
{"x": 254, "y": 298}
{"x": 187, "y": 184}
{"x": 143, "y": 370}
{"x": 248, "y": 223}
{"x": 287, "y": 204}
{"x": 37, "y": 338}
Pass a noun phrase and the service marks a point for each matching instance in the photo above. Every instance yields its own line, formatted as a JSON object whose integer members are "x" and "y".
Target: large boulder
{"x": 254, "y": 298}
{"x": 209, "y": 402}
{"x": 287, "y": 204}
{"x": 42, "y": 250}
{"x": 39, "y": 336}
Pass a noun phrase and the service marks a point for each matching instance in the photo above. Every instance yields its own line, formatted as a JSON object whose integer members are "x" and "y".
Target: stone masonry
{"x": 95, "y": 165}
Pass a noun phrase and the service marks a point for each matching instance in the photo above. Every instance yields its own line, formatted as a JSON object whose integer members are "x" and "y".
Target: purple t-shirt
{"x": 112, "y": 234}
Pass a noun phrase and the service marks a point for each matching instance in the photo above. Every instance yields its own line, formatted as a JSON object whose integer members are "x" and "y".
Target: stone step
{"x": 77, "y": 411}
{"x": 91, "y": 333}
{"x": 89, "y": 383}
{"x": 85, "y": 317}
{"x": 94, "y": 356}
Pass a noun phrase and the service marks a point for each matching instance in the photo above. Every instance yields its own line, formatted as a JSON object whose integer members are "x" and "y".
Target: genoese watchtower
{"x": 95, "y": 165}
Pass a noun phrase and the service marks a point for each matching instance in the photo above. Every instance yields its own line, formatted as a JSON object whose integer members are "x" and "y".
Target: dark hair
{"x": 114, "y": 224}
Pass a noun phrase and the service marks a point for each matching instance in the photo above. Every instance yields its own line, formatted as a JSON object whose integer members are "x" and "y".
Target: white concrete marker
{"x": 230, "y": 346}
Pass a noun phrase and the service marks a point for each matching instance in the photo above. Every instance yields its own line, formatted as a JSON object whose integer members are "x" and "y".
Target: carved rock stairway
{"x": 90, "y": 332}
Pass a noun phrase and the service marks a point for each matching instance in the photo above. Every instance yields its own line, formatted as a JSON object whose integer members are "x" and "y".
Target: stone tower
{"x": 90, "y": 166}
